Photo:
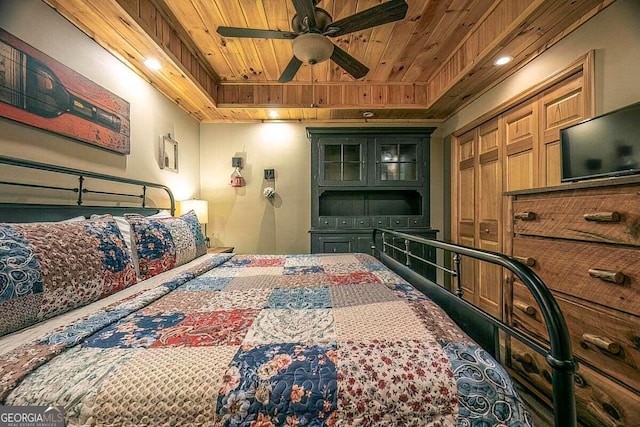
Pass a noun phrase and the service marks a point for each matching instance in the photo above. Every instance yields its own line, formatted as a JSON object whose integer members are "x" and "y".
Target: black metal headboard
{"x": 134, "y": 195}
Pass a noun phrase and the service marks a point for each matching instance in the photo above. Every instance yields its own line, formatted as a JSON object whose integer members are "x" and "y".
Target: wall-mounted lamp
{"x": 201, "y": 209}
{"x": 269, "y": 192}
{"x": 236, "y": 177}
{"x": 269, "y": 174}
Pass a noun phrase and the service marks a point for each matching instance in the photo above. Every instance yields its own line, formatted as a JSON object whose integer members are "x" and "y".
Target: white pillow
{"x": 161, "y": 214}
{"x": 74, "y": 219}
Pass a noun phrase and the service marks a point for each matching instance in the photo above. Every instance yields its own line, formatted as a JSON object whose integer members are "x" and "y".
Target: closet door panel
{"x": 560, "y": 106}
{"x": 521, "y": 147}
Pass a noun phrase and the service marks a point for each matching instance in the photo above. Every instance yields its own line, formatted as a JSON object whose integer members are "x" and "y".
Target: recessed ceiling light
{"x": 273, "y": 114}
{"x": 152, "y": 64}
{"x": 502, "y": 60}
{"x": 367, "y": 114}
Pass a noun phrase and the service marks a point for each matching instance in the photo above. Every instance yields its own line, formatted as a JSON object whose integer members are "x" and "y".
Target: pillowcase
{"x": 50, "y": 268}
{"x": 164, "y": 243}
{"x": 125, "y": 229}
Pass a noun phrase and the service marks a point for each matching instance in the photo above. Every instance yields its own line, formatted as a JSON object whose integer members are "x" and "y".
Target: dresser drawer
{"x": 610, "y": 214}
{"x": 610, "y": 341}
{"x": 599, "y": 401}
{"x": 588, "y": 271}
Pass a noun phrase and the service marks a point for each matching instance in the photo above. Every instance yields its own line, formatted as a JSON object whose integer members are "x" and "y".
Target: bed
{"x": 149, "y": 329}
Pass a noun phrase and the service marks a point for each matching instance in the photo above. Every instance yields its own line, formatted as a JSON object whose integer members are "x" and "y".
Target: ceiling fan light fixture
{"x": 312, "y": 48}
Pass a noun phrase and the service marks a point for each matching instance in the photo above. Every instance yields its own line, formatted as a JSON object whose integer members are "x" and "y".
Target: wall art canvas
{"x": 39, "y": 91}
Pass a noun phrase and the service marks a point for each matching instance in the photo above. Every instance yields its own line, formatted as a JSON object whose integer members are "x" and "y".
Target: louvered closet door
{"x": 466, "y": 162}
{"x": 489, "y": 208}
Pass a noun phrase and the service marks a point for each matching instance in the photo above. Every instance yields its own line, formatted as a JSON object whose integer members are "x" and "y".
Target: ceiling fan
{"x": 312, "y": 26}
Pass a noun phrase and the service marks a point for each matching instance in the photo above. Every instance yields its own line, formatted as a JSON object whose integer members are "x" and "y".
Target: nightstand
{"x": 220, "y": 250}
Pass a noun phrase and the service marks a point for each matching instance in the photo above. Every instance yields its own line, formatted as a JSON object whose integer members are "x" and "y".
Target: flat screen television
{"x": 604, "y": 146}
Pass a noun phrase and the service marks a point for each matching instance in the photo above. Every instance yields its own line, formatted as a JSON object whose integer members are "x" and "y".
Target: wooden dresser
{"x": 583, "y": 240}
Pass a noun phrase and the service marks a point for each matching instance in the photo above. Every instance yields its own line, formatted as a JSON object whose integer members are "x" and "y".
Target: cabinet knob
{"x": 525, "y": 216}
{"x": 602, "y": 343}
{"x": 603, "y": 217}
{"x": 524, "y": 307}
{"x": 607, "y": 275}
{"x": 528, "y": 261}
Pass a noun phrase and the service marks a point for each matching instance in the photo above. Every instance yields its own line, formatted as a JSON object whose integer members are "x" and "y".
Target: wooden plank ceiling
{"x": 424, "y": 67}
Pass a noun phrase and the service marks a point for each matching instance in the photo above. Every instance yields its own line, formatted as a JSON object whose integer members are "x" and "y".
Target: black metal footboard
{"x": 394, "y": 250}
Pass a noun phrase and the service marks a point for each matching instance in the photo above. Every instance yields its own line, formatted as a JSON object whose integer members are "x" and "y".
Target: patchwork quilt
{"x": 259, "y": 340}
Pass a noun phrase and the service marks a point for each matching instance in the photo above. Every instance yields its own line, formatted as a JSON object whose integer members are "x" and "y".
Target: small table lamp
{"x": 201, "y": 209}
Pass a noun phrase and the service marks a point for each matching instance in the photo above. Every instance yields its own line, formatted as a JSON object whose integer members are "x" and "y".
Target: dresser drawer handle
{"x": 579, "y": 380}
{"x": 527, "y": 362}
{"x": 526, "y": 260}
{"x": 602, "y": 343}
{"x": 608, "y": 276}
{"x": 525, "y": 216}
{"x": 525, "y": 308}
{"x": 603, "y": 217}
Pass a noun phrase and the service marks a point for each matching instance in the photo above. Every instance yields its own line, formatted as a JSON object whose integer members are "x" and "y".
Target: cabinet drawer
{"x": 588, "y": 271}
{"x": 380, "y": 221}
{"x": 345, "y": 222}
{"x": 599, "y": 215}
{"x": 332, "y": 244}
{"x": 362, "y": 222}
{"x": 599, "y": 401}
{"x": 610, "y": 341}
{"x": 326, "y": 222}
{"x": 398, "y": 222}
{"x": 417, "y": 221}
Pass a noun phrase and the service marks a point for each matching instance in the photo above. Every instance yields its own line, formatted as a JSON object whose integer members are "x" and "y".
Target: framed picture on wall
{"x": 39, "y": 91}
{"x": 169, "y": 154}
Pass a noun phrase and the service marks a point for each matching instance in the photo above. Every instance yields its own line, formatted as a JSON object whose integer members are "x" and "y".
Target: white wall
{"x": 152, "y": 114}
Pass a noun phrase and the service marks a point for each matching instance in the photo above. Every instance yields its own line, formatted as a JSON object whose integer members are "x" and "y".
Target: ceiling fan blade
{"x": 290, "y": 71}
{"x": 253, "y": 33}
{"x": 350, "y": 64}
{"x": 393, "y": 10}
{"x": 305, "y": 8}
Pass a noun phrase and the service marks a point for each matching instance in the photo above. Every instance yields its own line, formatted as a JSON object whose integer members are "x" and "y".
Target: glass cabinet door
{"x": 342, "y": 161}
{"x": 398, "y": 162}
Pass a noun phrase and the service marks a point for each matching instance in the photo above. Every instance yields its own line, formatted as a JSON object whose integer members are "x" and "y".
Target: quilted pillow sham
{"x": 164, "y": 243}
{"x": 50, "y": 268}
